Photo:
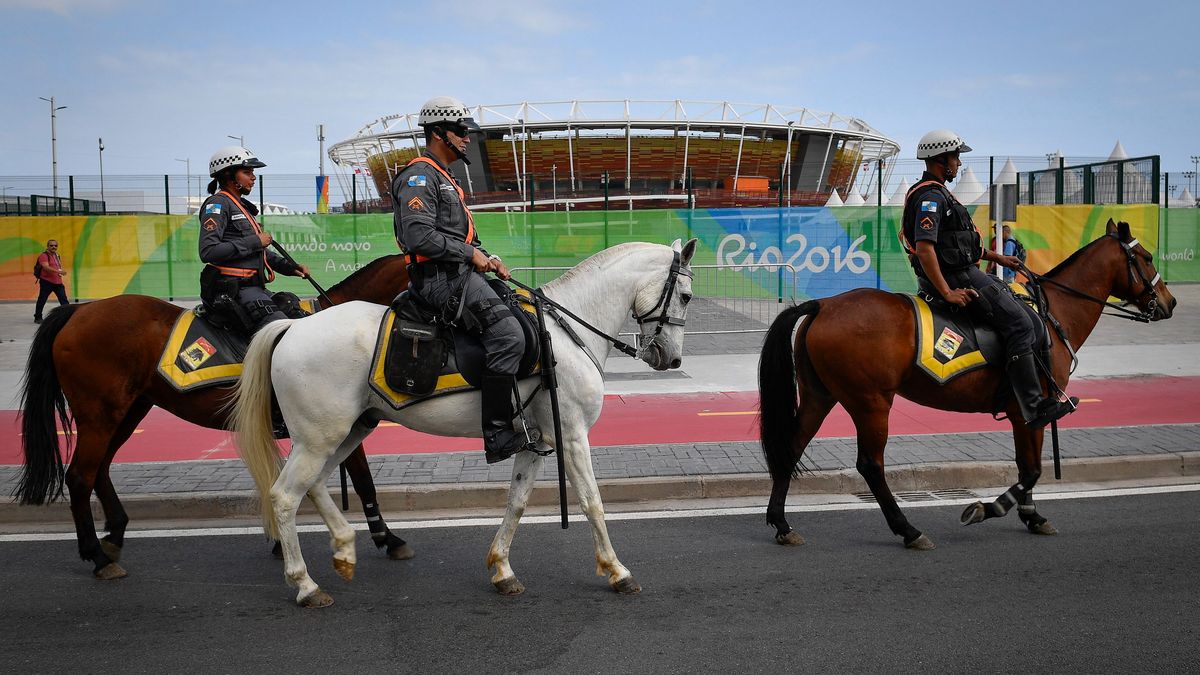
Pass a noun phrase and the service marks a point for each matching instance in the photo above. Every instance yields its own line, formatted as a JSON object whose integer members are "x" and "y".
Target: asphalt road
{"x": 1116, "y": 591}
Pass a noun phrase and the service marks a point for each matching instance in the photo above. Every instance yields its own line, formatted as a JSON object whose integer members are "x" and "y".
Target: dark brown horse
{"x": 110, "y": 390}
{"x": 858, "y": 348}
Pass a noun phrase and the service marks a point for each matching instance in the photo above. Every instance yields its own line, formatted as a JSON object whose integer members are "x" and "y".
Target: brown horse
{"x": 858, "y": 349}
{"x": 110, "y": 390}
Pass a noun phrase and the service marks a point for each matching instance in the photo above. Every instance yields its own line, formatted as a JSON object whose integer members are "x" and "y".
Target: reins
{"x": 1147, "y": 285}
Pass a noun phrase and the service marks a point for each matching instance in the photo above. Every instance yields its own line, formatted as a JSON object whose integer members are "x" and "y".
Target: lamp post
{"x": 240, "y": 139}
{"x": 53, "y": 143}
{"x": 1195, "y": 171}
{"x": 101, "y": 143}
{"x": 4, "y": 191}
{"x": 554, "y": 185}
{"x": 187, "y": 163}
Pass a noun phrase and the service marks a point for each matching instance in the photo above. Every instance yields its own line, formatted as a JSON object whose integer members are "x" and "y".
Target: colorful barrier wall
{"x": 831, "y": 249}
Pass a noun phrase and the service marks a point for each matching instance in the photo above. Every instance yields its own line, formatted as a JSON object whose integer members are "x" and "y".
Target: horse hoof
{"x": 1043, "y": 528}
{"x": 792, "y": 538}
{"x": 509, "y": 586}
{"x": 344, "y": 568}
{"x": 111, "y": 550}
{"x": 627, "y": 586}
{"x": 111, "y": 571}
{"x": 401, "y": 552}
{"x": 277, "y": 550}
{"x": 317, "y": 598}
{"x": 921, "y": 543}
{"x": 974, "y": 513}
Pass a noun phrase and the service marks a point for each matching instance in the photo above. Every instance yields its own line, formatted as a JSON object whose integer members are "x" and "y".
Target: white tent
{"x": 1118, "y": 152}
{"x": 854, "y": 199}
{"x": 834, "y": 200}
{"x": 1184, "y": 200}
{"x": 1008, "y": 174}
{"x": 968, "y": 188}
{"x": 897, "y": 198}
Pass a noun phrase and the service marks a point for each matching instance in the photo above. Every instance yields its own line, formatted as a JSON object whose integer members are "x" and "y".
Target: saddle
{"x": 201, "y": 352}
{"x": 950, "y": 342}
{"x": 419, "y": 353}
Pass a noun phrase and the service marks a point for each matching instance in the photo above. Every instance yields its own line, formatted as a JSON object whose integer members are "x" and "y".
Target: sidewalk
{"x": 422, "y": 482}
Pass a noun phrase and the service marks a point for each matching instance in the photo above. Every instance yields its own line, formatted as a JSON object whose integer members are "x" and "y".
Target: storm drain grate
{"x": 921, "y": 495}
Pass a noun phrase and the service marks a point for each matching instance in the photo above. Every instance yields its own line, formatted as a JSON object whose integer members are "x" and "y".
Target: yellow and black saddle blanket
{"x": 951, "y": 343}
{"x": 464, "y": 359}
{"x": 200, "y": 353}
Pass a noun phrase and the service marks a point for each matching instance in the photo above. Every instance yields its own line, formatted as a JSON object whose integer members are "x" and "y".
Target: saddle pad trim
{"x": 941, "y": 372}
{"x": 310, "y": 305}
{"x": 446, "y": 384}
{"x": 186, "y": 380}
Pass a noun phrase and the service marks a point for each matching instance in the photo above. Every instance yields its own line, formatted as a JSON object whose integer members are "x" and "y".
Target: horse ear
{"x": 1123, "y": 231}
{"x": 676, "y": 245}
{"x": 689, "y": 250}
{"x": 1111, "y": 228}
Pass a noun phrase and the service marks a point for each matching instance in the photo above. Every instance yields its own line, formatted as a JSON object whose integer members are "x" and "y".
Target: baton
{"x": 288, "y": 257}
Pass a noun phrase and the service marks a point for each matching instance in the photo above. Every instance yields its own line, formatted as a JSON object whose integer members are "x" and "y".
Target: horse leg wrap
{"x": 1006, "y": 501}
{"x": 375, "y": 524}
{"x": 1028, "y": 514}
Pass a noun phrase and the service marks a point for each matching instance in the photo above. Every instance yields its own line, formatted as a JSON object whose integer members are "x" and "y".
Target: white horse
{"x": 319, "y": 369}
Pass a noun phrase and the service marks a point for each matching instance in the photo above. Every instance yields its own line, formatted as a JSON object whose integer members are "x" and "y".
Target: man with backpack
{"x": 49, "y": 272}
{"x": 1012, "y": 247}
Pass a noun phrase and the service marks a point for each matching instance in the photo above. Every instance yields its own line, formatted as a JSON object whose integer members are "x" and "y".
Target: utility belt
{"x": 419, "y": 271}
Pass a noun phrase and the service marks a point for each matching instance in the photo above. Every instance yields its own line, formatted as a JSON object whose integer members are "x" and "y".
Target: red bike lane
{"x": 648, "y": 419}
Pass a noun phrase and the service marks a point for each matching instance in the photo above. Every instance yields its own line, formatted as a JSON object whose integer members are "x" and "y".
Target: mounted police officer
{"x": 446, "y": 264}
{"x": 945, "y": 247}
{"x": 233, "y": 246}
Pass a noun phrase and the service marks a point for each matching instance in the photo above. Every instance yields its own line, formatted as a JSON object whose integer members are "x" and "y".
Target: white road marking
{"x": 408, "y": 525}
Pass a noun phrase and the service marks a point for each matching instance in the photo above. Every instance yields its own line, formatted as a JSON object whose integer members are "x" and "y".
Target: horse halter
{"x": 664, "y": 300}
{"x": 1143, "y": 316}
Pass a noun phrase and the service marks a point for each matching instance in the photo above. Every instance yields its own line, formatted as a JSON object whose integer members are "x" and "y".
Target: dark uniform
{"x": 932, "y": 214}
{"x": 233, "y": 254}
{"x": 436, "y": 230}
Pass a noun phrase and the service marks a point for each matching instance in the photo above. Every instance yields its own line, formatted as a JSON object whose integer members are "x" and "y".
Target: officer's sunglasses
{"x": 460, "y": 131}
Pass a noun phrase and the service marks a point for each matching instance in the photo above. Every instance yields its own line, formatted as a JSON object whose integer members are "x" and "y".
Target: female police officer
{"x": 436, "y": 230}
{"x": 232, "y": 244}
{"x": 945, "y": 248}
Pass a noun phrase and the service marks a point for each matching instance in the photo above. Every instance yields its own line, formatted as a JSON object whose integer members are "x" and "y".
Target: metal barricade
{"x": 725, "y": 299}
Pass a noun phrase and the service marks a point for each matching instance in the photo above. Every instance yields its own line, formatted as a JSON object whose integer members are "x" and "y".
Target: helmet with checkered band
{"x": 940, "y": 142}
{"x": 232, "y": 156}
{"x": 446, "y": 111}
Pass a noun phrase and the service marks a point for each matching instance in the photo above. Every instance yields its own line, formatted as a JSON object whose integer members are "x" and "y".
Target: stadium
{"x": 636, "y": 154}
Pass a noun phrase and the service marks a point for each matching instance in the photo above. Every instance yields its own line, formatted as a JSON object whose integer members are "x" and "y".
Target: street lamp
{"x": 188, "y": 163}
{"x": 554, "y": 185}
{"x": 240, "y": 139}
{"x": 1195, "y": 171}
{"x": 4, "y": 191}
{"x": 53, "y": 143}
{"x": 101, "y": 141}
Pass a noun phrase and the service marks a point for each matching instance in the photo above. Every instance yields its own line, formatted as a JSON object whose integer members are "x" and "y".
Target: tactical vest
{"x": 958, "y": 244}
{"x": 462, "y": 199}
{"x": 246, "y": 268}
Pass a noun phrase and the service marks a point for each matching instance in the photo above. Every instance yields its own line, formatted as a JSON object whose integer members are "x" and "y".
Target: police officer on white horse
{"x": 945, "y": 248}
{"x": 232, "y": 244}
{"x": 447, "y": 264}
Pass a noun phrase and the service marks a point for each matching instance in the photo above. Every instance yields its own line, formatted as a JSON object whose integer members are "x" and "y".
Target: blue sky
{"x": 161, "y": 80}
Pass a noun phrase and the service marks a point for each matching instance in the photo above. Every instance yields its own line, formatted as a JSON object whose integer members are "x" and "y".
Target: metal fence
{"x": 724, "y": 299}
{"x": 1131, "y": 181}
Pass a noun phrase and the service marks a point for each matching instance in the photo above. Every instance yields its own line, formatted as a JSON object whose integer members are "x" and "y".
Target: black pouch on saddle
{"x": 218, "y": 293}
{"x": 417, "y": 352}
{"x": 289, "y": 304}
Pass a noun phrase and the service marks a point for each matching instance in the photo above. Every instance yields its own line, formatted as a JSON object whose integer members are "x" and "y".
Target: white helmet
{"x": 232, "y": 155}
{"x": 939, "y": 142}
{"x": 446, "y": 110}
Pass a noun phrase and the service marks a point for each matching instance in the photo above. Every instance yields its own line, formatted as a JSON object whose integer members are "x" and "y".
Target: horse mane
{"x": 1071, "y": 258}
{"x": 600, "y": 260}
{"x": 369, "y": 267}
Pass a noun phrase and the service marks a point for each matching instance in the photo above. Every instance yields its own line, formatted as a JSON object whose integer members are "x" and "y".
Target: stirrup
{"x": 1050, "y": 413}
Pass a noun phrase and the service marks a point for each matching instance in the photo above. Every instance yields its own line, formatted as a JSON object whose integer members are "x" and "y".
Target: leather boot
{"x": 500, "y": 441}
{"x": 1037, "y": 410}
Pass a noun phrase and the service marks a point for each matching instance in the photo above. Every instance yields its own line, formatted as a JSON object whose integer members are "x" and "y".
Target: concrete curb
{"x": 395, "y": 501}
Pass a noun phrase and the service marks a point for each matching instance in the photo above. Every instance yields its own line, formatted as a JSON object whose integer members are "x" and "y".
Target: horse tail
{"x": 779, "y": 403}
{"x": 251, "y": 417}
{"x": 42, "y": 396}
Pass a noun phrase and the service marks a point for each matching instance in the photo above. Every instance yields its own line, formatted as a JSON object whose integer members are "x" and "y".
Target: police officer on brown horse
{"x": 945, "y": 248}
{"x": 447, "y": 264}
{"x": 233, "y": 246}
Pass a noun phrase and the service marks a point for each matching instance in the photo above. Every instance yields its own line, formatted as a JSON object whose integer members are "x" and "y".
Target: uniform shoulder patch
{"x": 213, "y": 209}
{"x": 210, "y": 224}
{"x": 927, "y": 223}
{"x": 416, "y": 204}
{"x": 929, "y": 206}
{"x": 418, "y": 180}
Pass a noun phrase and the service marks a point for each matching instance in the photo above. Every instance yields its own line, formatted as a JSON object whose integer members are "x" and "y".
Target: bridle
{"x": 663, "y": 319}
{"x": 1133, "y": 269}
